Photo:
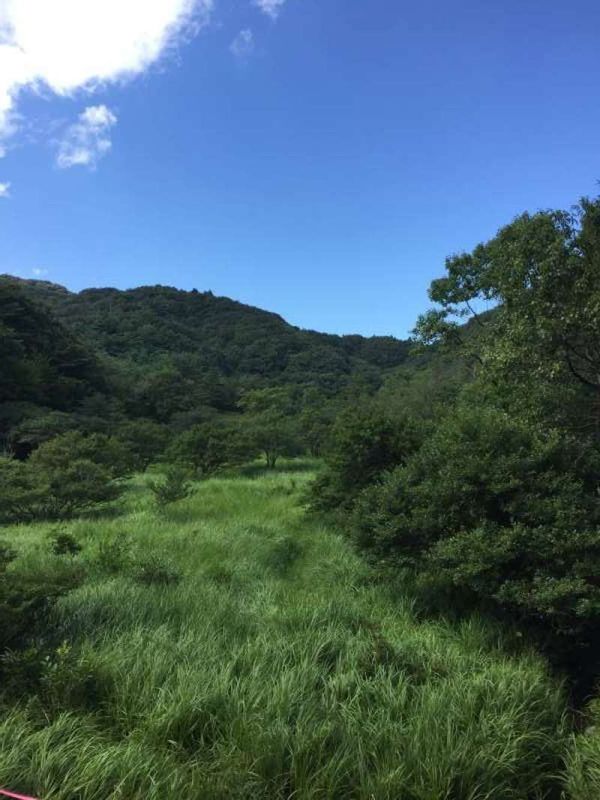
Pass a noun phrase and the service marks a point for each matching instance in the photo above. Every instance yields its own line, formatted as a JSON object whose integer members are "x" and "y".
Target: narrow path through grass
{"x": 230, "y": 647}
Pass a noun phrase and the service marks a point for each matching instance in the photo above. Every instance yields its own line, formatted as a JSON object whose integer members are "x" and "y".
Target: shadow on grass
{"x": 284, "y": 467}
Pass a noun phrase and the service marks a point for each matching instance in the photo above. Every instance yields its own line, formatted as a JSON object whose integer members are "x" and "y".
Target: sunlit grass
{"x": 275, "y": 667}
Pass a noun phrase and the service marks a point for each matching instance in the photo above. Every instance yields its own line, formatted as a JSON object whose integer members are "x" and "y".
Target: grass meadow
{"x": 231, "y": 646}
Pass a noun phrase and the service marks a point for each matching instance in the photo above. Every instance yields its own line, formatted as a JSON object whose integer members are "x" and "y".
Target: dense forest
{"x": 101, "y": 358}
{"x": 462, "y": 466}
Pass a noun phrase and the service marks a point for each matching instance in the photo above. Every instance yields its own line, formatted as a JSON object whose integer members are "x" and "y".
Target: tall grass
{"x": 273, "y": 666}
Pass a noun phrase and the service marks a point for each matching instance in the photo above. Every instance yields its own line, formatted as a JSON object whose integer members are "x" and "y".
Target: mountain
{"x": 233, "y": 338}
{"x": 43, "y": 365}
{"x": 162, "y": 354}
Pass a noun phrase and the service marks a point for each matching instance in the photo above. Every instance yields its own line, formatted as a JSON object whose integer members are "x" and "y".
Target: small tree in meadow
{"x": 174, "y": 486}
{"x": 64, "y": 476}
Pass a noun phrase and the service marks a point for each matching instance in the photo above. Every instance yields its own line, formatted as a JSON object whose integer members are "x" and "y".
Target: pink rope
{"x": 16, "y": 796}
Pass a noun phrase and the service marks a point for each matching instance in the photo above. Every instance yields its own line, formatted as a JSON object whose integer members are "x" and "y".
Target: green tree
{"x": 542, "y": 275}
{"x": 144, "y": 439}
{"x": 62, "y": 451}
{"x": 64, "y": 476}
{"x": 175, "y": 485}
{"x": 212, "y": 446}
{"x": 365, "y": 442}
{"x": 273, "y": 436}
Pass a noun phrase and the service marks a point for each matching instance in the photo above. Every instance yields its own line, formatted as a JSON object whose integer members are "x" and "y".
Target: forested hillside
{"x": 170, "y": 360}
{"x": 223, "y": 335}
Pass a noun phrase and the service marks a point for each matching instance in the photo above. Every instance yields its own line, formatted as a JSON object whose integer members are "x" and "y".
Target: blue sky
{"x": 318, "y": 158}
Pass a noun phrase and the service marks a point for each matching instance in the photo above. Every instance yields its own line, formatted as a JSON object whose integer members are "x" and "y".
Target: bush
{"x": 145, "y": 441}
{"x": 173, "y": 487}
{"x": 22, "y": 492}
{"x": 502, "y": 512}
{"x": 210, "y": 447}
{"x": 153, "y": 570}
{"x": 63, "y": 544}
{"x": 283, "y": 555}
{"x": 113, "y": 554}
{"x": 105, "y": 451}
{"x": 365, "y": 443}
{"x": 65, "y": 476}
{"x": 26, "y": 598}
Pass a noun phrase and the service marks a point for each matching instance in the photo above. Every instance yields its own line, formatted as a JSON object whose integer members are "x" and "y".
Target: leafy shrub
{"x": 27, "y": 594}
{"x": 22, "y": 496}
{"x": 71, "y": 680}
{"x": 365, "y": 442}
{"x": 113, "y": 554}
{"x": 501, "y": 511}
{"x": 174, "y": 486}
{"x": 283, "y": 555}
{"x": 211, "y": 446}
{"x": 63, "y": 544}
{"x": 63, "y": 477}
{"x": 80, "y": 486}
{"x": 144, "y": 439}
{"x": 104, "y": 451}
{"x": 154, "y": 570}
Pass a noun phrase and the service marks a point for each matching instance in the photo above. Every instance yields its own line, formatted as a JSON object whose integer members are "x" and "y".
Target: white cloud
{"x": 243, "y": 44}
{"x": 270, "y": 7}
{"x": 5, "y": 189}
{"x": 39, "y": 273}
{"x": 88, "y": 139}
{"x": 66, "y": 45}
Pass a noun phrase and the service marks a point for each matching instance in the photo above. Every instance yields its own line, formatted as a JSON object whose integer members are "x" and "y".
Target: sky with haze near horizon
{"x": 316, "y": 158}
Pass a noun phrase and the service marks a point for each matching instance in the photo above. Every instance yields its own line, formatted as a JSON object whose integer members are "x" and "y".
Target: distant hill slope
{"x": 41, "y": 360}
{"x": 227, "y": 336}
{"x": 44, "y": 367}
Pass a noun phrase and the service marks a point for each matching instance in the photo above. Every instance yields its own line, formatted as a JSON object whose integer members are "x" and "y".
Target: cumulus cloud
{"x": 39, "y": 273}
{"x": 270, "y": 7}
{"x": 87, "y": 140}
{"x": 65, "y": 45}
{"x": 243, "y": 44}
{"x": 5, "y": 189}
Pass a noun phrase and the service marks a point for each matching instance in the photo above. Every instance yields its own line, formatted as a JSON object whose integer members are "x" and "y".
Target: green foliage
{"x": 64, "y": 544}
{"x": 173, "y": 352}
{"x": 365, "y": 442}
{"x": 63, "y": 451}
{"x": 43, "y": 364}
{"x": 64, "y": 477}
{"x": 175, "y": 485}
{"x": 113, "y": 554}
{"x": 283, "y": 555}
{"x": 144, "y": 440}
{"x": 27, "y": 595}
{"x": 270, "y": 426}
{"x": 154, "y": 570}
{"x": 541, "y": 272}
{"x": 273, "y": 436}
{"x": 500, "y": 511}
{"x": 22, "y": 495}
{"x": 211, "y": 446}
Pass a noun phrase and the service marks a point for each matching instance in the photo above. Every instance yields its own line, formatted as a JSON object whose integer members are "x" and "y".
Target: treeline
{"x": 484, "y": 487}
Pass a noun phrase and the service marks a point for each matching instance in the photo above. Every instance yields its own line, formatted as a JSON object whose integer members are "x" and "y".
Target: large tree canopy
{"x": 542, "y": 275}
